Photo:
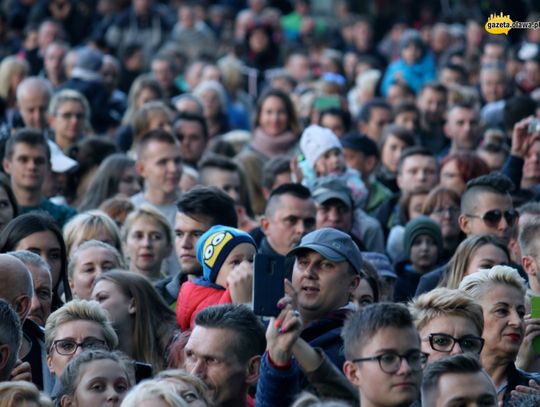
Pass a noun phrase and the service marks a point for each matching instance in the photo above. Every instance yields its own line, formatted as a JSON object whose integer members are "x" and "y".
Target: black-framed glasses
{"x": 445, "y": 343}
{"x": 390, "y": 362}
{"x": 493, "y": 217}
{"x": 68, "y": 347}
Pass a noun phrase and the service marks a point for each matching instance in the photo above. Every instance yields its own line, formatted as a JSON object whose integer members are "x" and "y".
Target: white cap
{"x": 316, "y": 141}
{"x": 59, "y": 161}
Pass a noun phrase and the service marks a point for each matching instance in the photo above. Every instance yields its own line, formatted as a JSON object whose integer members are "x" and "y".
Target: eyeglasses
{"x": 69, "y": 116}
{"x": 452, "y": 210}
{"x": 445, "y": 343}
{"x": 493, "y": 217}
{"x": 390, "y": 362}
{"x": 68, "y": 347}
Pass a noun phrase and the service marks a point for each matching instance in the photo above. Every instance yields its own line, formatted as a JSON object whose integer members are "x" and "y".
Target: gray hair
{"x": 69, "y": 95}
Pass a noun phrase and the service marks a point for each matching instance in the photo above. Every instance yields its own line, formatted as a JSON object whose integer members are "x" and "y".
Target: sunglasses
{"x": 493, "y": 217}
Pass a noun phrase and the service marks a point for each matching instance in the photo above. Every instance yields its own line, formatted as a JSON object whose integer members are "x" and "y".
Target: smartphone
{"x": 535, "y": 313}
{"x": 268, "y": 284}
{"x": 534, "y": 126}
{"x": 142, "y": 371}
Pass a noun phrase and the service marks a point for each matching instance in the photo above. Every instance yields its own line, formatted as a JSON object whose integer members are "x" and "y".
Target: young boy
{"x": 226, "y": 255}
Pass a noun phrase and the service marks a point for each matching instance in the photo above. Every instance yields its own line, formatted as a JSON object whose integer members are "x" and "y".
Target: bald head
{"x": 33, "y": 96}
{"x": 17, "y": 287}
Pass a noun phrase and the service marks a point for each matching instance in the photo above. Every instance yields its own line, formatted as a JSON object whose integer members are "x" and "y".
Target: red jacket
{"x": 194, "y": 296}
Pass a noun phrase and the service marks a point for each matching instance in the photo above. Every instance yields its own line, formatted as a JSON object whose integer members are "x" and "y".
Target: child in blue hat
{"x": 220, "y": 251}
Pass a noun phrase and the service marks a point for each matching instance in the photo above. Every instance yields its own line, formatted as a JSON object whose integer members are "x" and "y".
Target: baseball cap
{"x": 333, "y": 245}
{"x": 381, "y": 263}
{"x": 326, "y": 189}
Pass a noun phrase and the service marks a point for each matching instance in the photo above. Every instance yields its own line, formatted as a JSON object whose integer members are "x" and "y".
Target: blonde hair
{"x": 90, "y": 244}
{"x": 13, "y": 393}
{"x": 147, "y": 211}
{"x": 442, "y": 302}
{"x": 76, "y": 310}
{"x": 177, "y": 376}
{"x": 151, "y": 389}
{"x": 10, "y": 66}
{"x": 476, "y": 284}
{"x": 86, "y": 226}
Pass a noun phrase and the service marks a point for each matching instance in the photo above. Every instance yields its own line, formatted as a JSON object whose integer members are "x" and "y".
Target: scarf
{"x": 272, "y": 146}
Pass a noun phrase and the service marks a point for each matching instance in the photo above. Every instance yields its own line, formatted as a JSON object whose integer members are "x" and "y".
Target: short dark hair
{"x": 274, "y": 167}
{"x": 405, "y": 107}
{"x": 158, "y": 135}
{"x": 344, "y": 115}
{"x": 360, "y": 142}
{"x": 250, "y": 333}
{"x": 435, "y": 86}
{"x": 192, "y": 117}
{"x": 11, "y": 335}
{"x": 415, "y": 150}
{"x": 297, "y": 190}
{"x": 401, "y": 133}
{"x": 365, "y": 323}
{"x": 28, "y": 136}
{"x": 495, "y": 183}
{"x": 461, "y": 364}
{"x": 217, "y": 161}
{"x": 456, "y": 68}
{"x": 209, "y": 202}
{"x": 375, "y": 103}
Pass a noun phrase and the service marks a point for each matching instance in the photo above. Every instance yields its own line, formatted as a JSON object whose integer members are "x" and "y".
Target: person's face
{"x": 130, "y": 183}
{"x": 192, "y": 140}
{"x": 411, "y": 54}
{"x": 451, "y": 177}
{"x": 492, "y": 85}
{"x": 363, "y": 295}
{"x": 291, "y": 220}
{"x": 188, "y": 392}
{"x": 424, "y": 253}
{"x": 112, "y": 299}
{"x": 465, "y": 389}
{"x": 27, "y": 166}
{"x": 446, "y": 213}
{"x": 273, "y": 117}
{"x": 298, "y": 67}
{"x": 110, "y": 73}
{"x": 69, "y": 121}
{"x": 454, "y": 325}
{"x": 144, "y": 96}
{"x": 334, "y": 123}
{"x": 53, "y": 61}
{"x": 485, "y": 257}
{"x": 211, "y": 104}
{"x": 161, "y": 167}
{"x": 331, "y": 162}
{"x": 42, "y": 296}
{"x": 391, "y": 151}
{"x": 228, "y": 181}
{"x": 531, "y": 165}
{"x": 91, "y": 263}
{"x": 409, "y": 120}
{"x": 462, "y": 127}
{"x": 449, "y": 77}
{"x": 33, "y": 107}
{"x": 379, "y": 119}
{"x": 258, "y": 41}
{"x": 6, "y": 209}
{"x": 322, "y": 285}
{"x": 355, "y": 159}
{"x": 79, "y": 331}
{"x": 210, "y": 355}
{"x": 504, "y": 308}
{"x": 102, "y": 383}
{"x": 163, "y": 73}
{"x": 334, "y": 214}
{"x": 415, "y": 205}
{"x": 493, "y": 53}
{"x": 244, "y": 252}
{"x": 45, "y": 245}
{"x": 188, "y": 230}
{"x": 378, "y": 388}
{"x": 485, "y": 202}
{"x": 417, "y": 172}
{"x": 431, "y": 104}
{"x": 147, "y": 245}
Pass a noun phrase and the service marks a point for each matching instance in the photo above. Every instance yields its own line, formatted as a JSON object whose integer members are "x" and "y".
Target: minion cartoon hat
{"x": 214, "y": 246}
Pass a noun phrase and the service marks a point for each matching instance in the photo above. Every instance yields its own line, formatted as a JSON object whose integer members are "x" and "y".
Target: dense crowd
{"x": 268, "y": 203}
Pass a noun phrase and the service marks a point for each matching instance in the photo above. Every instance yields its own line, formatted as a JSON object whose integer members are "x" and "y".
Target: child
{"x": 221, "y": 251}
{"x": 323, "y": 155}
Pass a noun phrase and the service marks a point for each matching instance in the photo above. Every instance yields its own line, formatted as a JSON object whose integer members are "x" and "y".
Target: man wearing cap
{"x": 326, "y": 271}
{"x": 335, "y": 209}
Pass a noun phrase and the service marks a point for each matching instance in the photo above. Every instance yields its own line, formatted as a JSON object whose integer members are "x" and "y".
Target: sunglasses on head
{"x": 493, "y": 217}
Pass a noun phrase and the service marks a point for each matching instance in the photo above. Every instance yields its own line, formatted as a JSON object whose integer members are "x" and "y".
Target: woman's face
{"x": 451, "y": 177}
{"x": 145, "y": 95}
{"x": 76, "y": 331}
{"x": 504, "y": 308}
{"x": 363, "y": 295}
{"x": 273, "y": 117}
{"x": 485, "y": 257}
{"x": 187, "y": 391}
{"x": 101, "y": 383}
{"x": 130, "y": 182}
{"x": 390, "y": 153}
{"x": 147, "y": 245}
{"x": 424, "y": 253}
{"x": 415, "y": 205}
{"x": 446, "y": 214}
{"x": 258, "y": 41}
{"x": 46, "y": 245}
{"x": 91, "y": 263}
{"x": 113, "y": 300}
{"x": 6, "y": 209}
{"x": 211, "y": 104}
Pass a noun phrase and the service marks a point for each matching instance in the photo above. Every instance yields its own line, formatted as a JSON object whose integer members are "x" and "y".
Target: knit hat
{"x": 316, "y": 141}
{"x": 214, "y": 246}
{"x": 421, "y": 225}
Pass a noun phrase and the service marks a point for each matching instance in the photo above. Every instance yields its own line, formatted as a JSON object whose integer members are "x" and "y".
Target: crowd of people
{"x": 155, "y": 154}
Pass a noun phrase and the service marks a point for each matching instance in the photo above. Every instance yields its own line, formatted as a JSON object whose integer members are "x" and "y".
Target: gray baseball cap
{"x": 333, "y": 245}
{"x": 325, "y": 190}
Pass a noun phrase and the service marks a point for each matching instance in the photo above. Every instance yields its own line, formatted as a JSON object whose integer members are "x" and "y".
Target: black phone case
{"x": 268, "y": 289}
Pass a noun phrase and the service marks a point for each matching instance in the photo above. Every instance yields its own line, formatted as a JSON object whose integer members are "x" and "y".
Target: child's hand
{"x": 240, "y": 282}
